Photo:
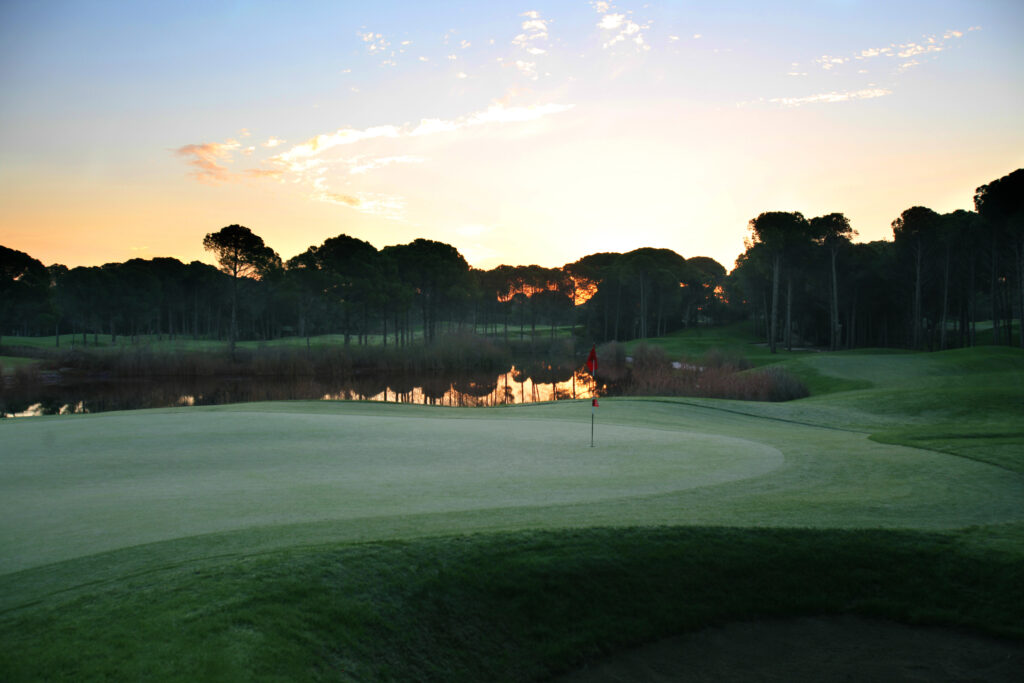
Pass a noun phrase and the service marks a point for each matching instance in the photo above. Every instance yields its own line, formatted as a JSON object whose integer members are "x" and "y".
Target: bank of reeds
{"x": 716, "y": 374}
{"x": 451, "y": 353}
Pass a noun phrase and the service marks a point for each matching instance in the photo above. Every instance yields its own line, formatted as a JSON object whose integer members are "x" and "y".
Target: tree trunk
{"x": 917, "y": 299}
{"x": 774, "y": 328}
{"x": 945, "y": 303}
{"x": 789, "y": 313}
{"x": 233, "y": 334}
{"x": 1020, "y": 289}
{"x": 995, "y": 291}
{"x": 834, "y": 341}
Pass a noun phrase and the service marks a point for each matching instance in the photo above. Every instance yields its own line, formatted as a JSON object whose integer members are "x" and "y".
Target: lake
{"x": 55, "y": 394}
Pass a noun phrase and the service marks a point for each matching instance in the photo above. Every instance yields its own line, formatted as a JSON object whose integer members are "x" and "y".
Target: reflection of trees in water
{"x": 533, "y": 382}
{"x": 479, "y": 386}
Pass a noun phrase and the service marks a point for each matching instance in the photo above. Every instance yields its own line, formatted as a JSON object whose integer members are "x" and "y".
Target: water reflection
{"x": 525, "y": 383}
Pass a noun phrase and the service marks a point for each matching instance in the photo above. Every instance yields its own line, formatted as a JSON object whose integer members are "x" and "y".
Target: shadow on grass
{"x": 501, "y": 607}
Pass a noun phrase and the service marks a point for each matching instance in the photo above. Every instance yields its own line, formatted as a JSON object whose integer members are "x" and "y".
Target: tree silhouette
{"x": 833, "y": 231}
{"x": 914, "y": 232}
{"x": 24, "y": 287}
{"x": 1001, "y": 203}
{"x": 780, "y": 232}
{"x": 240, "y": 254}
{"x": 438, "y": 274}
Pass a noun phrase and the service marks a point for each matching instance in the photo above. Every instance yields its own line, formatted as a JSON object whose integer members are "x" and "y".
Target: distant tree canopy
{"x": 800, "y": 281}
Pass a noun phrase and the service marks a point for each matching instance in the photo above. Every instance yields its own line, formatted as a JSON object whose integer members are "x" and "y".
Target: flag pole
{"x": 592, "y": 367}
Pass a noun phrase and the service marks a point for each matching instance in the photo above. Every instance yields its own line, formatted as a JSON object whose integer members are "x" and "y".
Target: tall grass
{"x": 716, "y": 374}
{"x": 454, "y": 352}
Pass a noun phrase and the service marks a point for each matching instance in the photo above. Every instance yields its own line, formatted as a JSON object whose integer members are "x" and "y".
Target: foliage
{"x": 800, "y": 282}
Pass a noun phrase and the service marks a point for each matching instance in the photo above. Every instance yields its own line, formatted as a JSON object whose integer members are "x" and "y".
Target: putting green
{"x": 80, "y": 486}
{"x": 272, "y": 475}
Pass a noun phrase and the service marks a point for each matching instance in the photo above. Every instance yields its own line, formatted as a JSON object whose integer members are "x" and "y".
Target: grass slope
{"x": 348, "y": 541}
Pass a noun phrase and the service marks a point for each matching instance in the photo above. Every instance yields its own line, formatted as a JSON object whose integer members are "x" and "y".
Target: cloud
{"x": 206, "y": 160}
{"x": 273, "y": 142}
{"x": 434, "y": 126}
{"x": 343, "y": 136}
{"x": 930, "y": 45}
{"x": 338, "y": 198}
{"x": 829, "y": 62}
{"x": 832, "y": 97}
{"x": 359, "y": 167}
{"x": 375, "y": 42}
{"x": 499, "y": 113}
{"x": 305, "y": 165}
{"x": 623, "y": 28}
{"x": 611, "y": 22}
{"x": 528, "y": 69}
{"x": 535, "y": 29}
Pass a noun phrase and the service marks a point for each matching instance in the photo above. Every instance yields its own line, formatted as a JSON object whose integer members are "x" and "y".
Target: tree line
{"x": 803, "y": 281}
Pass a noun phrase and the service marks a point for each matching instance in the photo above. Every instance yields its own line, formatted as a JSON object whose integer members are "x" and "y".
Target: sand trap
{"x": 814, "y": 649}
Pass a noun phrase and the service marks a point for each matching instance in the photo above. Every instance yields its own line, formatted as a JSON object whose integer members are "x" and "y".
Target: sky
{"x": 519, "y": 132}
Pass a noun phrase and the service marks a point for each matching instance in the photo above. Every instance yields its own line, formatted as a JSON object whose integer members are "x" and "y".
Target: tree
{"x": 833, "y": 231}
{"x": 436, "y": 271}
{"x": 240, "y": 254}
{"x": 351, "y": 274}
{"x": 1001, "y": 203}
{"x": 24, "y": 288}
{"x": 780, "y": 232}
{"x": 914, "y": 232}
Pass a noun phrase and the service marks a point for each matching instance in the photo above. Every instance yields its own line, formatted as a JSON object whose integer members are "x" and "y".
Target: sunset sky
{"x": 526, "y": 132}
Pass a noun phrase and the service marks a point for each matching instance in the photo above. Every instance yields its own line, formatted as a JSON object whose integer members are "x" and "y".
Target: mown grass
{"x": 501, "y": 607}
{"x": 348, "y": 541}
{"x": 736, "y": 340}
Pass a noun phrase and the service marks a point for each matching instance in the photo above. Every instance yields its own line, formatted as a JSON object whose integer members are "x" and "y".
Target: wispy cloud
{"x": 375, "y": 42}
{"x": 832, "y": 97}
{"x": 534, "y": 35}
{"x": 309, "y": 164}
{"x": 208, "y": 159}
{"x": 361, "y": 165}
{"x": 619, "y": 28}
{"x": 929, "y": 45}
{"x": 319, "y": 144}
{"x": 375, "y": 204}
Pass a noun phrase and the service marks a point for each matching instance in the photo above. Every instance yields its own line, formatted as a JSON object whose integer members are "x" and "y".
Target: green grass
{"x": 737, "y": 339}
{"x": 497, "y": 607}
{"x": 354, "y": 541}
{"x": 9, "y": 364}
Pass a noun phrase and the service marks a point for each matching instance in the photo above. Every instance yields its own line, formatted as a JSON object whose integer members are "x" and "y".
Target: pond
{"x": 54, "y": 394}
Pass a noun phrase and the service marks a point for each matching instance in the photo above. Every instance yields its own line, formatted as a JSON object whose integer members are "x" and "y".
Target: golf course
{"x": 352, "y": 541}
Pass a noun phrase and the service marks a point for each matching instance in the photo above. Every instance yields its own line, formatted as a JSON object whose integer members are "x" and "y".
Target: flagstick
{"x": 592, "y": 408}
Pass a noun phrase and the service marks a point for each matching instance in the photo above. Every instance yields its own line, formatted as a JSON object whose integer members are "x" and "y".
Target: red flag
{"x": 592, "y": 360}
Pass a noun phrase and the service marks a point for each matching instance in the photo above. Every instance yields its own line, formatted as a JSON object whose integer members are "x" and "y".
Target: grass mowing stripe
{"x": 514, "y": 607}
